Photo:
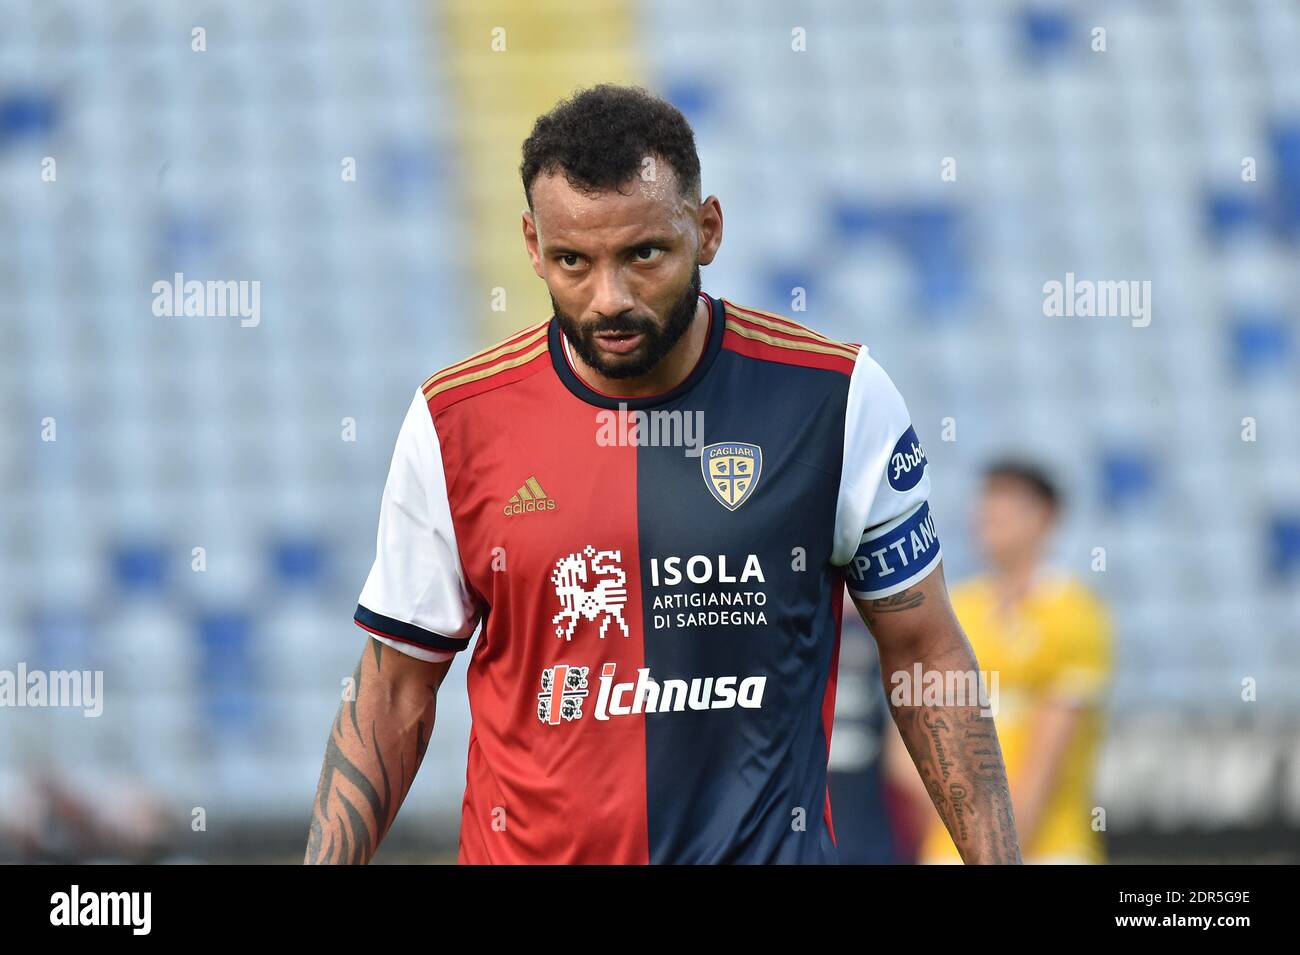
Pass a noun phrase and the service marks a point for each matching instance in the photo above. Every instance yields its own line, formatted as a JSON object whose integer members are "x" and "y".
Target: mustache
{"x": 622, "y": 325}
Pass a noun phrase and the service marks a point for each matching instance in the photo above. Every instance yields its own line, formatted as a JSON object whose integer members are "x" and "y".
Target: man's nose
{"x": 612, "y": 296}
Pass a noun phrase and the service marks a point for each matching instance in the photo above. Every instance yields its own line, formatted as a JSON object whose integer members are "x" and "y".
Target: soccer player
{"x": 648, "y": 506}
{"x": 1049, "y": 639}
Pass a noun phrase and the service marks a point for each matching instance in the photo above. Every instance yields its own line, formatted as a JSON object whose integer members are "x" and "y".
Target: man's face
{"x": 622, "y": 268}
{"x": 1011, "y": 521}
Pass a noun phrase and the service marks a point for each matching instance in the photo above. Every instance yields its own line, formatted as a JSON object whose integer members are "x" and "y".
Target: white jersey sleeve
{"x": 416, "y": 598}
{"x": 884, "y": 533}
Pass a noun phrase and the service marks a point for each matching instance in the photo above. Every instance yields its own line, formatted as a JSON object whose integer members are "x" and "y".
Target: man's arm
{"x": 378, "y": 740}
{"x": 1055, "y": 722}
{"x": 955, "y": 749}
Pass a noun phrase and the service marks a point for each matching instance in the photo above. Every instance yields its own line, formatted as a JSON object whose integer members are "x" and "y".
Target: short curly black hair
{"x": 600, "y": 137}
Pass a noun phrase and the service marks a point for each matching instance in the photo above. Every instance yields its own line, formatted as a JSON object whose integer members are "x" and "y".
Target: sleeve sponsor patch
{"x": 906, "y": 462}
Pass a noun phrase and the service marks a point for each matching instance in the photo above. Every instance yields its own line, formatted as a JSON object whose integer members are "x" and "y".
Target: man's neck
{"x": 665, "y": 376}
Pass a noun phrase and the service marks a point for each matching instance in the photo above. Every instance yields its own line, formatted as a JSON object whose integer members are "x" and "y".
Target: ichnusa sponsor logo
{"x": 564, "y": 690}
{"x": 675, "y": 696}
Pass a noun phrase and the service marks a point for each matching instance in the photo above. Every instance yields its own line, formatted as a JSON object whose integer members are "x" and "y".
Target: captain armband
{"x": 894, "y": 555}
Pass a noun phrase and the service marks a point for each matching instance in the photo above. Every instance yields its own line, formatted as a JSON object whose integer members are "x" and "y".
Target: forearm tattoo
{"x": 955, "y": 749}
{"x": 347, "y": 830}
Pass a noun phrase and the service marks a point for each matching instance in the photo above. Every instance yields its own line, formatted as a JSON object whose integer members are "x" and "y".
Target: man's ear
{"x": 710, "y": 229}
{"x": 531, "y": 242}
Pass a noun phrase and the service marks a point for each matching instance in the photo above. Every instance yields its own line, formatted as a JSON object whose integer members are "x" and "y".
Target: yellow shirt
{"x": 1056, "y": 643}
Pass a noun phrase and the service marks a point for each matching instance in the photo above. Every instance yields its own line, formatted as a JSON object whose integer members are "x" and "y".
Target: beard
{"x": 658, "y": 340}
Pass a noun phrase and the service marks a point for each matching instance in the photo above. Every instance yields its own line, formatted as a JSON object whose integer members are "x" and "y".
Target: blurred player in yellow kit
{"x": 1049, "y": 639}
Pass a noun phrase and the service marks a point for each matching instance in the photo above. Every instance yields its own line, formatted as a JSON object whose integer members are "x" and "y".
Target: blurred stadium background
{"x": 223, "y": 154}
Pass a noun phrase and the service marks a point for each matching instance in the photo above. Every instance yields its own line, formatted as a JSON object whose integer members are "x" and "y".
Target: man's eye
{"x": 565, "y": 260}
{"x": 648, "y": 253}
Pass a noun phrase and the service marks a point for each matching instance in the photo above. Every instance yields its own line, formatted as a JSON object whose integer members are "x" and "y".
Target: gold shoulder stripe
{"x": 471, "y": 376}
{"x": 753, "y": 314}
{"x": 524, "y": 339}
{"x": 818, "y": 347}
{"x": 779, "y": 323}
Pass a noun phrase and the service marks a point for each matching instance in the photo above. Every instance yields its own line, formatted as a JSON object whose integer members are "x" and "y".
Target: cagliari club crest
{"x": 731, "y": 470}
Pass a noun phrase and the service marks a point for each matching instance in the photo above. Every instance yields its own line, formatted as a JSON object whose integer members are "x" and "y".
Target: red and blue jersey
{"x": 656, "y": 584}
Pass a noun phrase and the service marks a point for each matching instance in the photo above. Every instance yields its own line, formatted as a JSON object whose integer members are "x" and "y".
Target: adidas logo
{"x": 528, "y": 499}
